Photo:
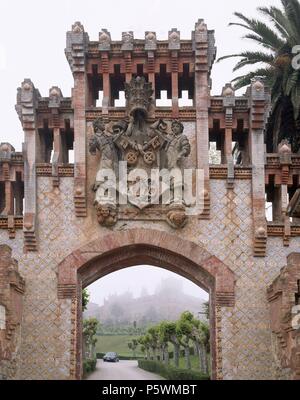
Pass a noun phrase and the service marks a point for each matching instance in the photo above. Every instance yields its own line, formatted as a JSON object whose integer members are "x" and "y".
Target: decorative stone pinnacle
{"x": 77, "y": 27}
{"x": 55, "y": 96}
{"x": 257, "y": 83}
{"x": 104, "y": 40}
{"x": 200, "y": 26}
{"x": 150, "y": 40}
{"x": 284, "y": 147}
{"x": 55, "y": 92}
{"x": 228, "y": 90}
{"x": 27, "y": 85}
{"x": 174, "y": 39}
{"x": 128, "y": 40}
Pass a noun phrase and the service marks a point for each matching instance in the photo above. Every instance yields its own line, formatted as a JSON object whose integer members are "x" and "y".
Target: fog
{"x": 136, "y": 280}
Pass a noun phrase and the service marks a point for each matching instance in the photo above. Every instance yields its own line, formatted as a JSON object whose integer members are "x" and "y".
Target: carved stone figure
{"x": 177, "y": 217}
{"x": 103, "y": 141}
{"x": 107, "y": 214}
{"x": 178, "y": 146}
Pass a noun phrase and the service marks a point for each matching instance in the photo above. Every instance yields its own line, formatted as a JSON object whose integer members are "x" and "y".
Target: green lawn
{"x": 117, "y": 344}
{"x": 194, "y": 362}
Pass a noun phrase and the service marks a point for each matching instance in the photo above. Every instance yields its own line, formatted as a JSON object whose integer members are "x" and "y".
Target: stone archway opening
{"x": 144, "y": 247}
{"x": 129, "y": 302}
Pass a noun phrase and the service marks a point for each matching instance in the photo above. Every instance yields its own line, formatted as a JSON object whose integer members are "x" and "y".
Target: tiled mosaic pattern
{"x": 46, "y": 331}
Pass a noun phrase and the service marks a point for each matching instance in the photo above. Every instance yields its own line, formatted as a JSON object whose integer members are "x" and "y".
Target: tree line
{"x": 180, "y": 334}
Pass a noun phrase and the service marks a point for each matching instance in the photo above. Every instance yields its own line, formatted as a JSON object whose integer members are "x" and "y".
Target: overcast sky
{"x": 32, "y": 43}
{"x": 32, "y": 39}
{"x": 146, "y": 276}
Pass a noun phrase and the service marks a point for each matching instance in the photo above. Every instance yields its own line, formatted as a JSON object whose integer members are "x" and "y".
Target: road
{"x": 123, "y": 370}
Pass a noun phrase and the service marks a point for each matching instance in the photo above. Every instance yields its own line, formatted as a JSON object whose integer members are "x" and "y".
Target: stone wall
{"x": 284, "y": 299}
{"x": 245, "y": 329}
{"x": 12, "y": 287}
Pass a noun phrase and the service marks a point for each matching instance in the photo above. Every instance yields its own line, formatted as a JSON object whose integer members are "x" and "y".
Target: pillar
{"x": 175, "y": 89}
{"x": 26, "y": 107}
{"x": 77, "y": 43}
{"x": 258, "y": 110}
{"x": 202, "y": 105}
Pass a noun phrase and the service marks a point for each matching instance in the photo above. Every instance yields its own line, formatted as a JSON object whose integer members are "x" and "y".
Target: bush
{"x": 89, "y": 365}
{"x": 101, "y": 355}
{"x": 172, "y": 373}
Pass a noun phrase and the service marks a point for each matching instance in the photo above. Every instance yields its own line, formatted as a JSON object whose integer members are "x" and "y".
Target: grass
{"x": 194, "y": 362}
{"x": 117, "y": 344}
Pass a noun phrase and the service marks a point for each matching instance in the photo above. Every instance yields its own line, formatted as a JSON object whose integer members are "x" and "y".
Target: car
{"x": 111, "y": 357}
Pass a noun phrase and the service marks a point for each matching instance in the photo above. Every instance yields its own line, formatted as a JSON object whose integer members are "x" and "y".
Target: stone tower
{"x": 65, "y": 237}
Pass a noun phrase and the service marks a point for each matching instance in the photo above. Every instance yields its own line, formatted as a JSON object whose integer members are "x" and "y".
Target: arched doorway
{"x": 139, "y": 246}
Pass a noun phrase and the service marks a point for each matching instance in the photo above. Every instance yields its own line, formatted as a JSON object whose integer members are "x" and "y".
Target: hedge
{"x": 101, "y": 355}
{"x": 171, "y": 373}
{"x": 89, "y": 365}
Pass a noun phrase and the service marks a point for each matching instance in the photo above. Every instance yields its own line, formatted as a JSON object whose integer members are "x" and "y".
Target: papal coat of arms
{"x": 133, "y": 151}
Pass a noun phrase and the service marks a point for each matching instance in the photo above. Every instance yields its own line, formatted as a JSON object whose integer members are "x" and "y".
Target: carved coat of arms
{"x": 131, "y": 150}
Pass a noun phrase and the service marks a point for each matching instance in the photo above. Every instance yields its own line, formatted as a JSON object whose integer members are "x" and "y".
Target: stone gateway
{"x": 64, "y": 224}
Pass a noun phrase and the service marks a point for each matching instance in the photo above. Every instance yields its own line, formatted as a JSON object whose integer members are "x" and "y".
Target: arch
{"x": 128, "y": 248}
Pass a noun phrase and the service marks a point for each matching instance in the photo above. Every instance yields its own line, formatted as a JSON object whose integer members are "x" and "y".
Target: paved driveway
{"x": 123, "y": 370}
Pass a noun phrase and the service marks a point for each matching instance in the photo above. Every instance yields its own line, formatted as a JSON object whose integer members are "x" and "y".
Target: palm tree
{"x": 274, "y": 62}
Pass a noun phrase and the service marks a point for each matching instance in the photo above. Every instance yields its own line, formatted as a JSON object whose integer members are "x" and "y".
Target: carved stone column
{"x": 228, "y": 103}
{"x": 259, "y": 110}
{"x": 285, "y": 156}
{"x": 127, "y": 48}
{"x": 175, "y": 89}
{"x": 151, "y": 72}
{"x": 77, "y": 42}
{"x": 26, "y": 108}
{"x": 204, "y": 55}
{"x": 150, "y": 48}
{"x": 55, "y": 96}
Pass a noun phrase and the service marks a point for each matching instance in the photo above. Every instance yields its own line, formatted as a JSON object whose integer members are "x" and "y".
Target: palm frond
{"x": 229, "y": 56}
{"x": 279, "y": 20}
{"x": 292, "y": 11}
{"x": 291, "y": 82}
{"x": 245, "y": 80}
{"x": 268, "y": 36}
{"x": 295, "y": 99}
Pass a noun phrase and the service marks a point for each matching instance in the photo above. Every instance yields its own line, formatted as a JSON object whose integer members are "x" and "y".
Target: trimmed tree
{"x": 133, "y": 346}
